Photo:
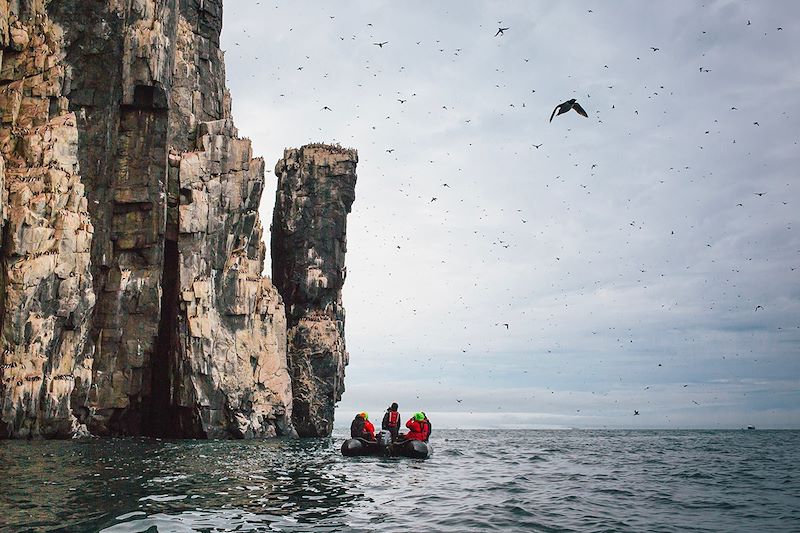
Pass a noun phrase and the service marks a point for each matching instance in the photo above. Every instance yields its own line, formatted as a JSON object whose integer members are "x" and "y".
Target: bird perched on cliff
{"x": 566, "y": 106}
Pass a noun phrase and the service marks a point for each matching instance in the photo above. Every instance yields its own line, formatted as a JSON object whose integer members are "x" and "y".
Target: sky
{"x": 508, "y": 271}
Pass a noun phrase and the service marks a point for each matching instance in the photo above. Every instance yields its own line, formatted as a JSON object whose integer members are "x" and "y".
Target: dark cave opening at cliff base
{"x": 162, "y": 417}
{"x": 157, "y": 419}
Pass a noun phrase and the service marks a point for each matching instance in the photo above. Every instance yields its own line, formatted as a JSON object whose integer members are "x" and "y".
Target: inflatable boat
{"x": 416, "y": 449}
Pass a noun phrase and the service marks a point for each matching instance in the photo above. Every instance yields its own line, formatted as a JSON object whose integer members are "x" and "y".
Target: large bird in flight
{"x": 566, "y": 106}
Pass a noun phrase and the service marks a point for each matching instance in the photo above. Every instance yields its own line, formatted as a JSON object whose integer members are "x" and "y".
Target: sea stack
{"x": 131, "y": 295}
{"x": 316, "y": 189}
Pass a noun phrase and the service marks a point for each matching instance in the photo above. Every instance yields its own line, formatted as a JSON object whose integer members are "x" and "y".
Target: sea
{"x": 508, "y": 480}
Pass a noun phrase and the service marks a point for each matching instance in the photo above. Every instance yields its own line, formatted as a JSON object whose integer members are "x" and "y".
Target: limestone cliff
{"x": 131, "y": 298}
{"x": 316, "y": 189}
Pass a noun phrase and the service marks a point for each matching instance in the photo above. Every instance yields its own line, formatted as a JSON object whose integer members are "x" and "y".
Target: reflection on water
{"x": 476, "y": 481}
{"x": 140, "y": 483}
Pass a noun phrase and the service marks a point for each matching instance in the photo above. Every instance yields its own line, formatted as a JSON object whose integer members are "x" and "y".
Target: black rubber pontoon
{"x": 416, "y": 449}
{"x": 356, "y": 447}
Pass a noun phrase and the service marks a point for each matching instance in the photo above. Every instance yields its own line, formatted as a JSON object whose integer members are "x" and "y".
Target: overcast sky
{"x": 628, "y": 253}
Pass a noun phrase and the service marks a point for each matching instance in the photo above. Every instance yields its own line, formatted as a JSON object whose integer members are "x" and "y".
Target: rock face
{"x": 316, "y": 189}
{"x": 46, "y": 284}
{"x": 131, "y": 296}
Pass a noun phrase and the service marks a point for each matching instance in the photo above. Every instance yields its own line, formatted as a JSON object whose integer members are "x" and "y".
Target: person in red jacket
{"x": 429, "y": 428}
{"x": 418, "y": 428}
{"x": 369, "y": 429}
{"x": 362, "y": 428}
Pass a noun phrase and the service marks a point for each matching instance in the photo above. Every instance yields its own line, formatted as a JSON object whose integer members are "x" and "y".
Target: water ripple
{"x": 476, "y": 481}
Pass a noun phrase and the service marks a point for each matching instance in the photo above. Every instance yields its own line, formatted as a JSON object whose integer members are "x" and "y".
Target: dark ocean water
{"x": 475, "y": 481}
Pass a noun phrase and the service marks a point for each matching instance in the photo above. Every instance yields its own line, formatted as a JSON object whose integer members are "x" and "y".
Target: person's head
{"x": 393, "y": 407}
{"x": 419, "y": 417}
{"x": 364, "y": 415}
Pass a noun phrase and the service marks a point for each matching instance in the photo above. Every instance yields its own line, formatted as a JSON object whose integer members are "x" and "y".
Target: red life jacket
{"x": 369, "y": 429}
{"x": 426, "y": 429}
{"x": 417, "y": 430}
{"x": 394, "y": 419}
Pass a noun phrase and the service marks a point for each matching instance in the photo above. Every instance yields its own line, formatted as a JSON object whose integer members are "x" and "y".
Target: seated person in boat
{"x": 362, "y": 428}
{"x": 419, "y": 428}
{"x": 430, "y": 428}
{"x": 391, "y": 421}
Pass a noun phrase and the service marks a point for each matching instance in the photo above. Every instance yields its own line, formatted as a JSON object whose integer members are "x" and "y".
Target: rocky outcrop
{"x": 316, "y": 189}
{"x": 46, "y": 290}
{"x": 131, "y": 290}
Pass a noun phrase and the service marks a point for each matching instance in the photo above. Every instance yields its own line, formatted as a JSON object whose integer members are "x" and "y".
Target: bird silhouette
{"x": 635, "y": 413}
{"x": 759, "y": 307}
{"x": 566, "y": 106}
{"x": 500, "y": 31}
{"x": 537, "y": 146}
{"x": 326, "y": 108}
{"x": 380, "y": 45}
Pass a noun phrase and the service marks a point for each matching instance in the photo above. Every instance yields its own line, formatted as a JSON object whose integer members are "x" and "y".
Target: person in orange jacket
{"x": 418, "y": 428}
{"x": 362, "y": 428}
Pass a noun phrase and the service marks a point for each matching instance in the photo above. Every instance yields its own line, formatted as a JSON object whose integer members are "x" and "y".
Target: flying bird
{"x": 759, "y": 307}
{"x": 326, "y": 108}
{"x": 500, "y": 31}
{"x": 566, "y": 106}
{"x": 635, "y": 413}
{"x": 380, "y": 45}
{"x": 537, "y": 146}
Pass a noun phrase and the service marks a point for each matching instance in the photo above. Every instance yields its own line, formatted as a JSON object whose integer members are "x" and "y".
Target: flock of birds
{"x": 506, "y": 240}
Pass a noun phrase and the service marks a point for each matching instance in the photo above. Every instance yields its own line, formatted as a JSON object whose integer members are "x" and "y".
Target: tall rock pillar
{"x": 316, "y": 189}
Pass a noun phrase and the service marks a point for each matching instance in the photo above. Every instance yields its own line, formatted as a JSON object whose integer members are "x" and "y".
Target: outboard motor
{"x": 385, "y": 438}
